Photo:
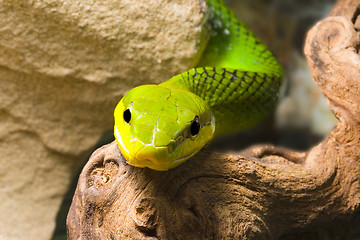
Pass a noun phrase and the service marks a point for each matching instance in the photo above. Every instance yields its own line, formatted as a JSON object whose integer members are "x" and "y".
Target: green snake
{"x": 234, "y": 86}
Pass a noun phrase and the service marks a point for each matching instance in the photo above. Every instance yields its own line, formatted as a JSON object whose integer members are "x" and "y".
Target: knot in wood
{"x": 146, "y": 214}
{"x": 336, "y": 32}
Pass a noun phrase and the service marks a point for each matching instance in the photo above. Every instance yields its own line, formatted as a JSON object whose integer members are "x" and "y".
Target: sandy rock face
{"x": 63, "y": 67}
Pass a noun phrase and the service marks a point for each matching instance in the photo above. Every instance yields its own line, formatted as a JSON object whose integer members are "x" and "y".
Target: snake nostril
{"x": 170, "y": 148}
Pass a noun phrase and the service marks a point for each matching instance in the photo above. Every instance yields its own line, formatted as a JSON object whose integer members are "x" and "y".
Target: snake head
{"x": 160, "y": 128}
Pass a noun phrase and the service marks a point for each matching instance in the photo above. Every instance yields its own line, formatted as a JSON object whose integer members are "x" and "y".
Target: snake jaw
{"x": 121, "y": 144}
{"x": 148, "y": 155}
{"x": 180, "y": 160}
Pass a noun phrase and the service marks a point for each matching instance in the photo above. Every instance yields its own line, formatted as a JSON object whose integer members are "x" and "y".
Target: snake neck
{"x": 243, "y": 87}
{"x": 232, "y": 45}
{"x": 238, "y": 99}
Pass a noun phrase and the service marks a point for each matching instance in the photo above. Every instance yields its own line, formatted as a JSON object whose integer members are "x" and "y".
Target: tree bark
{"x": 265, "y": 193}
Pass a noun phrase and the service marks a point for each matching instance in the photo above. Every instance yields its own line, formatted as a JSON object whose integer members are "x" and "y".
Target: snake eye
{"x": 195, "y": 126}
{"x": 127, "y": 115}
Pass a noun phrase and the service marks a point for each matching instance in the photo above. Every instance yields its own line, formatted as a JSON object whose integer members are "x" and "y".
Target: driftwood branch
{"x": 266, "y": 193}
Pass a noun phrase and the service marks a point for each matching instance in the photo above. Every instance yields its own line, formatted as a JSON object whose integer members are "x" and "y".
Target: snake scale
{"x": 234, "y": 86}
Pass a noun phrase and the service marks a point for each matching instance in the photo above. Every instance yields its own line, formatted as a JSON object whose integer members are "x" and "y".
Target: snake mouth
{"x": 147, "y": 159}
{"x": 147, "y": 155}
{"x": 184, "y": 158}
{"x": 120, "y": 141}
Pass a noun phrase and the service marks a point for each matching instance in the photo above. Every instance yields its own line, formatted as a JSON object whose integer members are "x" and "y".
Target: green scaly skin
{"x": 162, "y": 126}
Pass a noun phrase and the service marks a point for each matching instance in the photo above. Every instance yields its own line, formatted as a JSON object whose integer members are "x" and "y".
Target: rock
{"x": 63, "y": 67}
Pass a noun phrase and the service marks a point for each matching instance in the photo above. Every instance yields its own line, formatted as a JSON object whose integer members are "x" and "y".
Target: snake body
{"x": 233, "y": 87}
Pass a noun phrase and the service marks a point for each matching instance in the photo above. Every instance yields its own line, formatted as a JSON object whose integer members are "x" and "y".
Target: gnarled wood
{"x": 268, "y": 193}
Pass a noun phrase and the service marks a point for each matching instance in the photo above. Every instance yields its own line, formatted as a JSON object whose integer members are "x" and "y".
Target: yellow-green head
{"x": 160, "y": 128}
